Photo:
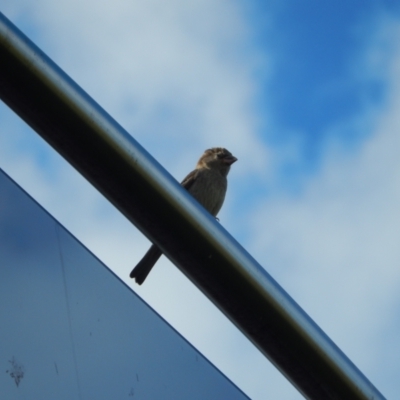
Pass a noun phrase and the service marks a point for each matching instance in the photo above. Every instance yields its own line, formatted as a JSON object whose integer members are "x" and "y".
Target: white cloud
{"x": 173, "y": 74}
{"x": 335, "y": 246}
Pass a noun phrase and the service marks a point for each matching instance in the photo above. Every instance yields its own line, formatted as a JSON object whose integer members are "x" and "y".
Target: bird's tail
{"x": 145, "y": 265}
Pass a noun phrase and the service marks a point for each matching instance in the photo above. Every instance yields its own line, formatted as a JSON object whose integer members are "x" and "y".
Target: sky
{"x": 305, "y": 94}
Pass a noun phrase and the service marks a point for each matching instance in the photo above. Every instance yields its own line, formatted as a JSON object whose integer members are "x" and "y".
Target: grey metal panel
{"x": 70, "y": 329}
{"x": 35, "y": 88}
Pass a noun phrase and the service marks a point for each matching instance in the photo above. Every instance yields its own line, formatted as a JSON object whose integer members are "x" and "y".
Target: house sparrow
{"x": 207, "y": 183}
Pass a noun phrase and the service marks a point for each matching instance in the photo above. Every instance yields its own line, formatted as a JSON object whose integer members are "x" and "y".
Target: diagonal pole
{"x": 102, "y": 151}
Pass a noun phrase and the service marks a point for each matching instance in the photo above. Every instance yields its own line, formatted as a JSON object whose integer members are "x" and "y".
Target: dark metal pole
{"x": 102, "y": 151}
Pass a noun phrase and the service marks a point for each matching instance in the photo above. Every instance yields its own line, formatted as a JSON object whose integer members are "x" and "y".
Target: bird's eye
{"x": 220, "y": 155}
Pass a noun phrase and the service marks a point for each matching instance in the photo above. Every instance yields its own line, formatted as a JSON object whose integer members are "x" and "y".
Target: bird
{"x": 207, "y": 183}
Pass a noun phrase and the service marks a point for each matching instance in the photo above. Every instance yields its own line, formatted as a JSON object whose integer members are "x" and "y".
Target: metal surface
{"x": 73, "y": 330}
{"x": 37, "y": 90}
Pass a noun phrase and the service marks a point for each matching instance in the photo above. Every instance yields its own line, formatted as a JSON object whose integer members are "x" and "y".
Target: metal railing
{"x": 102, "y": 151}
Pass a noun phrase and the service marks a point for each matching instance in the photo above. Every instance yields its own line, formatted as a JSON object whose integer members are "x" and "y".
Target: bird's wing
{"x": 190, "y": 179}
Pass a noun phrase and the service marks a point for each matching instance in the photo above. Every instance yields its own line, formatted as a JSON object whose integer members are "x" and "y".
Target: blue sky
{"x": 305, "y": 94}
{"x": 314, "y": 84}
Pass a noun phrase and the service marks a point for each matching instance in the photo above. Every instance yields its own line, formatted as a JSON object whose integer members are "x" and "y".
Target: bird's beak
{"x": 230, "y": 160}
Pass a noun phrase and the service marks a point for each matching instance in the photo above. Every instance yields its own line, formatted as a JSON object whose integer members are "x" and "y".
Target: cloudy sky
{"x": 306, "y": 95}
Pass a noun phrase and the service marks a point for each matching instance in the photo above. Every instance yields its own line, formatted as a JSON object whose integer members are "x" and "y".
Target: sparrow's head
{"x": 218, "y": 158}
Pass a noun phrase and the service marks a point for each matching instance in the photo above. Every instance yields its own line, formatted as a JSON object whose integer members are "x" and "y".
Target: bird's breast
{"x": 209, "y": 190}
